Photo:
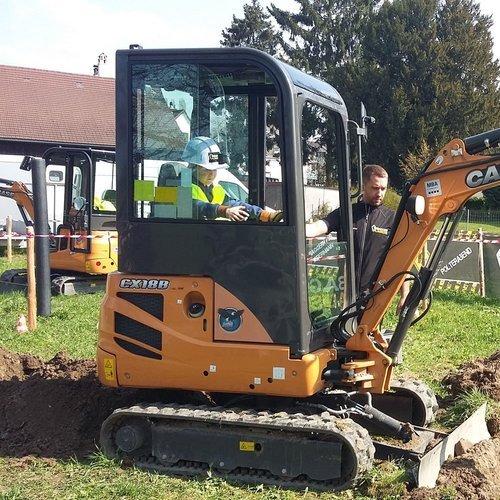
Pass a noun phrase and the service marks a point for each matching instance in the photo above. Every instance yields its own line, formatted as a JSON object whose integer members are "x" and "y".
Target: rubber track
{"x": 423, "y": 391}
{"x": 57, "y": 283}
{"x": 325, "y": 424}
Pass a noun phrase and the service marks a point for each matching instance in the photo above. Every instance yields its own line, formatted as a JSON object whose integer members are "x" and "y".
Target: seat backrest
{"x": 109, "y": 195}
{"x": 168, "y": 175}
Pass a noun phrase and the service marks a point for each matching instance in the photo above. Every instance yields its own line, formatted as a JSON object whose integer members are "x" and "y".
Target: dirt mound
{"x": 483, "y": 374}
{"x": 55, "y": 409}
{"x": 494, "y": 425}
{"x": 473, "y": 475}
{"x": 16, "y": 365}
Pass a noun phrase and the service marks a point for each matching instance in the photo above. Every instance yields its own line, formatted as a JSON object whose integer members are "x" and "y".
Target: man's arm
{"x": 324, "y": 226}
{"x": 318, "y": 228}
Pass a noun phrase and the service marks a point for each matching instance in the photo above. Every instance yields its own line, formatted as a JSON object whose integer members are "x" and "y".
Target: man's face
{"x": 374, "y": 190}
{"x": 206, "y": 176}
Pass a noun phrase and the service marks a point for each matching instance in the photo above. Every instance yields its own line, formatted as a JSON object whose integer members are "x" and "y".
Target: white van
{"x": 232, "y": 185}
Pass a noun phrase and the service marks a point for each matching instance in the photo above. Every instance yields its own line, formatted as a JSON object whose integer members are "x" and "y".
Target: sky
{"x": 69, "y": 35}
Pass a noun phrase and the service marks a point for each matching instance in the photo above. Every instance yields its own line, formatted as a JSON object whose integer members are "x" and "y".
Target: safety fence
{"x": 475, "y": 217}
{"x": 471, "y": 262}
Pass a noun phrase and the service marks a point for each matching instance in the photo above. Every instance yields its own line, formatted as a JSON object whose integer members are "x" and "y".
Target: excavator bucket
{"x": 428, "y": 463}
{"x": 473, "y": 430}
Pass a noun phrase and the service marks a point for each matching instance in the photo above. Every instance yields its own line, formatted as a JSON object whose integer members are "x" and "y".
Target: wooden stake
{"x": 482, "y": 287}
{"x": 9, "y": 238}
{"x": 30, "y": 241}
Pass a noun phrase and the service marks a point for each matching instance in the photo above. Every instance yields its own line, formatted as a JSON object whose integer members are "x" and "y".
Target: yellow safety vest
{"x": 103, "y": 205}
{"x": 218, "y": 194}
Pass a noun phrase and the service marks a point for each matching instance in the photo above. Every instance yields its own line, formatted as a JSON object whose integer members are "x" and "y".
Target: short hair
{"x": 375, "y": 170}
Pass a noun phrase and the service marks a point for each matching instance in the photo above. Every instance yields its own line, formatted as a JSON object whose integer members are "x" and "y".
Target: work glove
{"x": 271, "y": 216}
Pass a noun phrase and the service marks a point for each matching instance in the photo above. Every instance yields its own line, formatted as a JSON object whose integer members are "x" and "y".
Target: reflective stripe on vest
{"x": 218, "y": 194}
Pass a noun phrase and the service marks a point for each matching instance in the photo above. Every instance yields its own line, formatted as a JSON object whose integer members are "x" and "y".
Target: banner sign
{"x": 460, "y": 261}
{"x": 492, "y": 269}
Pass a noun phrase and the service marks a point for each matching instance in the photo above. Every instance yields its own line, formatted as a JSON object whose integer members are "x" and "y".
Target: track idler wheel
{"x": 424, "y": 402}
{"x": 132, "y": 436}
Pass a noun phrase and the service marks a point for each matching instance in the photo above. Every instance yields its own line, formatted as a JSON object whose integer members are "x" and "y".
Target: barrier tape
{"x": 61, "y": 236}
{"x": 327, "y": 258}
{"x": 467, "y": 236}
{"x": 462, "y": 286}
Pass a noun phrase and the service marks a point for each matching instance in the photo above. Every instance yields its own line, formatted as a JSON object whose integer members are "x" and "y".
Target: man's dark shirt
{"x": 371, "y": 227}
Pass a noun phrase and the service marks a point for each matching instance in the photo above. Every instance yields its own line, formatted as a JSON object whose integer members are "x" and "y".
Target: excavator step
{"x": 284, "y": 448}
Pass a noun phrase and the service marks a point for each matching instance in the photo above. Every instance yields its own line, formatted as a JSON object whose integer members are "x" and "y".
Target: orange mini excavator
{"x": 84, "y": 248}
{"x": 266, "y": 325}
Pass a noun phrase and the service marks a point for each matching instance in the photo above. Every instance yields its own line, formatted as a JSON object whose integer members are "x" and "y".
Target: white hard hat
{"x": 205, "y": 152}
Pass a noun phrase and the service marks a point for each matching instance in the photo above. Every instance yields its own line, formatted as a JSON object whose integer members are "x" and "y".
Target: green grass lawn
{"x": 459, "y": 327}
{"x": 491, "y": 228}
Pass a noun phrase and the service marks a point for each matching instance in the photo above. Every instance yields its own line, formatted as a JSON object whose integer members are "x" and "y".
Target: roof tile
{"x": 50, "y": 106}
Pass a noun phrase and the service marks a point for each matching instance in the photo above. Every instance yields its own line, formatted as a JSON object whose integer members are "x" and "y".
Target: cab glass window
{"x": 104, "y": 199}
{"x": 201, "y": 137}
{"x": 326, "y": 255}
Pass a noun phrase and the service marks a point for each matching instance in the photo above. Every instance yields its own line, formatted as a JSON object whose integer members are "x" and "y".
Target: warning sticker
{"x": 433, "y": 188}
{"x": 247, "y": 446}
{"x": 109, "y": 369}
{"x": 278, "y": 373}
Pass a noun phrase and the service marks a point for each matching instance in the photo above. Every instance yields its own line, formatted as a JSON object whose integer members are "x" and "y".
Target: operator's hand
{"x": 271, "y": 216}
{"x": 237, "y": 214}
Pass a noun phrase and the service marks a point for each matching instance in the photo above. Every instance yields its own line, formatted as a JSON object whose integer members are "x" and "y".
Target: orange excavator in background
{"x": 289, "y": 359}
{"x": 83, "y": 248}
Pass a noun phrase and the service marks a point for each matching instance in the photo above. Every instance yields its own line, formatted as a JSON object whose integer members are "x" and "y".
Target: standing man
{"x": 372, "y": 222}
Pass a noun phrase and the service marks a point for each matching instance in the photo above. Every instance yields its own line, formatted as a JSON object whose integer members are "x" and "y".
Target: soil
{"x": 473, "y": 475}
{"x": 483, "y": 374}
{"x": 55, "y": 409}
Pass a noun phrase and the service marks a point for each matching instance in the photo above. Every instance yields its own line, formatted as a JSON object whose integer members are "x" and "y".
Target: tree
{"x": 399, "y": 80}
{"x": 325, "y": 39}
{"x": 429, "y": 76}
{"x": 254, "y": 30}
{"x": 468, "y": 96}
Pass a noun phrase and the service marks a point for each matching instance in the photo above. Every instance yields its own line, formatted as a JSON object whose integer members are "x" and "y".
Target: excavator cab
{"x": 85, "y": 233}
{"x": 253, "y": 107}
{"x": 257, "y": 321}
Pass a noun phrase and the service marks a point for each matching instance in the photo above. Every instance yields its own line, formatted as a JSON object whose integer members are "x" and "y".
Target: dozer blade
{"x": 473, "y": 430}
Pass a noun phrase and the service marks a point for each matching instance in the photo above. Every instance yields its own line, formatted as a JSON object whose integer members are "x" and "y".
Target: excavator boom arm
{"x": 18, "y": 192}
{"x": 453, "y": 177}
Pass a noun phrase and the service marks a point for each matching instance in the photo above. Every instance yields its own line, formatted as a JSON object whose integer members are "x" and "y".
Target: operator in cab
{"x": 210, "y": 200}
{"x": 372, "y": 222}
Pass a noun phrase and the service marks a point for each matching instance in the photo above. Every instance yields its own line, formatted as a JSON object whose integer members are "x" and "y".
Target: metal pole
{"x": 30, "y": 257}
{"x": 54, "y": 221}
{"x": 482, "y": 284}
{"x": 8, "y": 222}
{"x": 41, "y": 237}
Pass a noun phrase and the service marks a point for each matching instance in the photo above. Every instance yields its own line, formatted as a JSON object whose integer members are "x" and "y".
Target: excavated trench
{"x": 55, "y": 409}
